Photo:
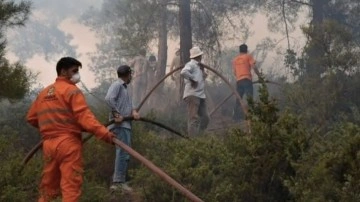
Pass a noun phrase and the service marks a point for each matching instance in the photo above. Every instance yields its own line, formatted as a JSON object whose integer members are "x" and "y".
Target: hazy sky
{"x": 68, "y": 11}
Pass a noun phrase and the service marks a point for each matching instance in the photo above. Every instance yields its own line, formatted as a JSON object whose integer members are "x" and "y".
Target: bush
{"x": 15, "y": 186}
{"x": 331, "y": 170}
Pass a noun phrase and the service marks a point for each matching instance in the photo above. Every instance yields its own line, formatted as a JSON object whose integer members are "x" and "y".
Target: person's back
{"x": 194, "y": 93}
{"x": 55, "y": 118}
{"x": 242, "y": 65}
{"x": 61, "y": 110}
{"x": 60, "y": 113}
{"x": 192, "y": 70}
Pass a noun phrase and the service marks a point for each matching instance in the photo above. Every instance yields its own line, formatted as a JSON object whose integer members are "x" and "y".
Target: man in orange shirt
{"x": 242, "y": 65}
{"x": 60, "y": 113}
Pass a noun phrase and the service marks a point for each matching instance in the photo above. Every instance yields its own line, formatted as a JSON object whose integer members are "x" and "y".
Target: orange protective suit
{"x": 61, "y": 114}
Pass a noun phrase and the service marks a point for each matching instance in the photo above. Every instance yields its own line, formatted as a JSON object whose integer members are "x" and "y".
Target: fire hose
{"x": 143, "y": 160}
{"x": 137, "y": 156}
{"x": 242, "y": 104}
{"x": 85, "y": 139}
{"x": 231, "y": 94}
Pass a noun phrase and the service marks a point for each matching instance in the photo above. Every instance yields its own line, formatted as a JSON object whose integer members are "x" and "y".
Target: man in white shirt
{"x": 194, "y": 93}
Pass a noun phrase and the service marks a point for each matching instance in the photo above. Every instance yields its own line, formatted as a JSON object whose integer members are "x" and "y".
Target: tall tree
{"x": 315, "y": 51}
{"x": 315, "y": 54}
{"x": 133, "y": 25}
{"x": 185, "y": 30}
{"x": 14, "y": 78}
{"x": 163, "y": 37}
{"x": 124, "y": 28}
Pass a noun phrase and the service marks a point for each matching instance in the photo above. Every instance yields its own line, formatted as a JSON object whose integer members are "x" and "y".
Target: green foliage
{"x": 228, "y": 167}
{"x": 13, "y": 14}
{"x": 293, "y": 63}
{"x": 337, "y": 43}
{"x": 322, "y": 103}
{"x": 331, "y": 97}
{"x": 331, "y": 170}
{"x": 13, "y": 185}
{"x": 338, "y": 48}
{"x": 14, "y": 79}
{"x": 281, "y": 160}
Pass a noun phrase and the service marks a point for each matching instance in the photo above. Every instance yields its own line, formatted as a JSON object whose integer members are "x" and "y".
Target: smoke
{"x": 42, "y": 34}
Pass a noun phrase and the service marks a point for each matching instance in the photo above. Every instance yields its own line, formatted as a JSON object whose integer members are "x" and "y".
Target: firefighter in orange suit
{"x": 60, "y": 113}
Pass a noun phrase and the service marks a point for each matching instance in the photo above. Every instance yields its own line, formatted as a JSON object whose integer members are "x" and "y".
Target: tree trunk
{"x": 185, "y": 37}
{"x": 162, "y": 45}
{"x": 185, "y": 30}
{"x": 316, "y": 51}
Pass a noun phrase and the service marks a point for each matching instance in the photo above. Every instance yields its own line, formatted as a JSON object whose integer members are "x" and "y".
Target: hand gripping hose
{"x": 156, "y": 170}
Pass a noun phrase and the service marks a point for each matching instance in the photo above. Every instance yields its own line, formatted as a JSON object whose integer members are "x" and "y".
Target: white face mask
{"x": 75, "y": 78}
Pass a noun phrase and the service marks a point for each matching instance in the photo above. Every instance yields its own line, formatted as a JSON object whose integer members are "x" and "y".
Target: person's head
{"x": 124, "y": 72}
{"x": 243, "y": 48}
{"x": 196, "y": 53}
{"x": 68, "y": 67}
{"x": 152, "y": 58}
{"x": 142, "y": 52}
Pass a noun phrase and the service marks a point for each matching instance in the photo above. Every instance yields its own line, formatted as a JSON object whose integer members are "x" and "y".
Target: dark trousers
{"x": 243, "y": 87}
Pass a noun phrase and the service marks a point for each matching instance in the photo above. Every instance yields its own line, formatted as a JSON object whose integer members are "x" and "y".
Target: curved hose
{"x": 157, "y": 84}
{"x": 242, "y": 104}
{"x": 220, "y": 104}
{"x": 231, "y": 94}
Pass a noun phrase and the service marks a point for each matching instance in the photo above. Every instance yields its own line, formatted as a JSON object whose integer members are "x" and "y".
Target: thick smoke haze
{"x": 54, "y": 30}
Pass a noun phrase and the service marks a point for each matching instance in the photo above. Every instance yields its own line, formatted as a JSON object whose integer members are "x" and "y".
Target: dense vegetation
{"x": 304, "y": 143}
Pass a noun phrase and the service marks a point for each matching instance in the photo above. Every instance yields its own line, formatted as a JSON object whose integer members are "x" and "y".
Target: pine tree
{"x": 14, "y": 78}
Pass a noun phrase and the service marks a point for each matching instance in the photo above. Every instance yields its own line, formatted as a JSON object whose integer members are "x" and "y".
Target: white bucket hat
{"x": 195, "y": 52}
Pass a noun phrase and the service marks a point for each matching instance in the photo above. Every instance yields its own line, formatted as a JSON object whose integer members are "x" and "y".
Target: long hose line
{"x": 160, "y": 173}
{"x": 86, "y": 138}
{"x": 136, "y": 155}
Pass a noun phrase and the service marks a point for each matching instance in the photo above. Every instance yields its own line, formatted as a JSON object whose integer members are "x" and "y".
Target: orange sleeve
{"x": 85, "y": 118}
{"x": 31, "y": 116}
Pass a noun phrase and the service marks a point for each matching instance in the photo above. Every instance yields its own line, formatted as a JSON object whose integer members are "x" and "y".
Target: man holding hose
{"x": 60, "y": 113}
{"x": 120, "y": 103}
{"x": 242, "y": 65}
